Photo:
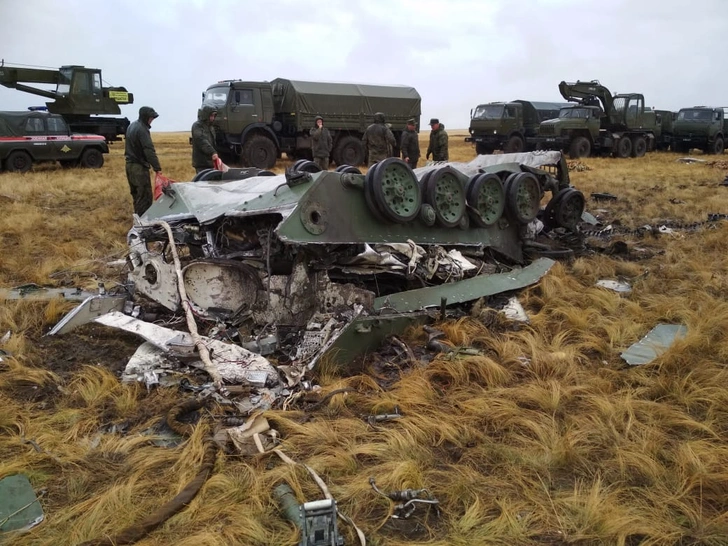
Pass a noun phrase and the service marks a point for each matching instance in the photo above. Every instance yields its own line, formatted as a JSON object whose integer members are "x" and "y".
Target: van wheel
{"x": 349, "y": 151}
{"x": 514, "y": 145}
{"x": 91, "y": 158}
{"x": 260, "y": 152}
{"x": 580, "y": 147}
{"x": 18, "y": 162}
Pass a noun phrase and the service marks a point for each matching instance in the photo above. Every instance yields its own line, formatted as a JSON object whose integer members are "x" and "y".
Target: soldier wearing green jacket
{"x": 438, "y": 141}
{"x": 204, "y": 153}
{"x": 321, "y": 144}
{"x": 409, "y": 144}
{"x": 378, "y": 140}
{"x": 140, "y": 156}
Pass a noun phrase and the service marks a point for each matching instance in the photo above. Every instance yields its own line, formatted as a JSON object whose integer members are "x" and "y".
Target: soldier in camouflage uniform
{"x": 321, "y": 144}
{"x": 378, "y": 140}
{"x": 140, "y": 155}
{"x": 409, "y": 144}
{"x": 203, "y": 139}
{"x": 438, "y": 141}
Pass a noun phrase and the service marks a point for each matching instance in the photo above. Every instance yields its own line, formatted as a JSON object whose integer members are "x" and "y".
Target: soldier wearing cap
{"x": 321, "y": 144}
{"x": 140, "y": 156}
{"x": 409, "y": 144}
{"x": 438, "y": 141}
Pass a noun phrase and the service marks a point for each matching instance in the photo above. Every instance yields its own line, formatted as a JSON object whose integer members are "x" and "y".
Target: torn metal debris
{"x": 407, "y": 500}
{"x": 617, "y": 286}
{"x": 20, "y": 508}
{"x": 656, "y": 342}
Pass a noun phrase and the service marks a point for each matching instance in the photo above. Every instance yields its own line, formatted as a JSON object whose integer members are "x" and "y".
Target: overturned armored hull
{"x": 308, "y": 261}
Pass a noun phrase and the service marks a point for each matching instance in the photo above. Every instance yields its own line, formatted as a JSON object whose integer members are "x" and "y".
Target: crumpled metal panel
{"x": 536, "y": 159}
{"x": 656, "y": 342}
{"x": 465, "y": 290}
{"x": 20, "y": 509}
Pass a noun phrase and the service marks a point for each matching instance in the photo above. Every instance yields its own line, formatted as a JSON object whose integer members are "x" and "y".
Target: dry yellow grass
{"x": 546, "y": 437}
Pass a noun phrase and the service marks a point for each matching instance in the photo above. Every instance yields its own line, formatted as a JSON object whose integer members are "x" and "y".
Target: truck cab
{"x": 700, "y": 127}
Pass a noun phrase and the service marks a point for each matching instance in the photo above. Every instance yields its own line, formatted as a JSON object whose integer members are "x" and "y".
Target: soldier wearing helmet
{"x": 203, "y": 139}
{"x": 321, "y": 144}
{"x": 378, "y": 140}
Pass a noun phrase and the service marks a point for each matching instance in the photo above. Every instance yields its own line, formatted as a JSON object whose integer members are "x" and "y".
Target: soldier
{"x": 378, "y": 140}
{"x": 140, "y": 155}
{"x": 321, "y": 144}
{"x": 409, "y": 144}
{"x": 204, "y": 154}
{"x": 438, "y": 141}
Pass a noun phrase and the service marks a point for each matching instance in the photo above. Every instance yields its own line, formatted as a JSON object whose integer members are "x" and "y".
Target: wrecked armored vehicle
{"x": 306, "y": 262}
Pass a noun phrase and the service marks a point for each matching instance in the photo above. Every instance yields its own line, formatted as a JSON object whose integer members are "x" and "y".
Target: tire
{"x": 259, "y": 151}
{"x": 18, "y": 162}
{"x": 580, "y": 147}
{"x": 718, "y": 146}
{"x": 623, "y": 148}
{"x": 482, "y": 149}
{"x": 515, "y": 145}
{"x": 639, "y": 146}
{"x": 91, "y": 158}
{"x": 349, "y": 151}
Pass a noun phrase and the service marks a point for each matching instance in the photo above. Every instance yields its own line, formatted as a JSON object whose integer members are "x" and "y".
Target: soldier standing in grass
{"x": 321, "y": 144}
{"x": 140, "y": 156}
{"x": 409, "y": 144}
{"x": 378, "y": 140}
{"x": 438, "y": 141}
{"x": 204, "y": 154}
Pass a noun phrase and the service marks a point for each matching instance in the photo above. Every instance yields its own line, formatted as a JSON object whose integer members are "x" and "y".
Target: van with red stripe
{"x": 34, "y": 137}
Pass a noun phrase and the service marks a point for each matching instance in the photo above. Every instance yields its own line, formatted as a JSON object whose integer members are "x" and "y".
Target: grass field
{"x": 545, "y": 437}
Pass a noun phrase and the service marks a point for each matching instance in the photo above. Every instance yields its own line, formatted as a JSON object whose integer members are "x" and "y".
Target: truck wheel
{"x": 514, "y": 145}
{"x": 482, "y": 149}
{"x": 623, "y": 148}
{"x": 580, "y": 147}
{"x": 91, "y": 158}
{"x": 18, "y": 162}
{"x": 349, "y": 151}
{"x": 260, "y": 152}
{"x": 639, "y": 146}
{"x": 718, "y": 146}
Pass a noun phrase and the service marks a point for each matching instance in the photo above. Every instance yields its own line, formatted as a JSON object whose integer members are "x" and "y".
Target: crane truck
{"x": 600, "y": 123}
{"x": 78, "y": 96}
{"x": 258, "y": 121}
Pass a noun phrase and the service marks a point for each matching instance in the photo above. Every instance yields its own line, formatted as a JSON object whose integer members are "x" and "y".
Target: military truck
{"x": 34, "y": 137}
{"x": 258, "y": 121}
{"x": 701, "y": 127}
{"x": 664, "y": 120}
{"x": 600, "y": 123}
{"x": 509, "y": 126}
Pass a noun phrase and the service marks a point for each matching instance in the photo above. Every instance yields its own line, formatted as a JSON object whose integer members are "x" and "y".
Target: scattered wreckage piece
{"x": 20, "y": 508}
{"x": 616, "y": 286}
{"x": 315, "y": 519}
{"x": 408, "y": 500}
{"x": 34, "y": 292}
{"x": 656, "y": 342}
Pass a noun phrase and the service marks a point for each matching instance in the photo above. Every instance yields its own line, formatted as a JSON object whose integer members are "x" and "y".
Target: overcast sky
{"x": 456, "y": 53}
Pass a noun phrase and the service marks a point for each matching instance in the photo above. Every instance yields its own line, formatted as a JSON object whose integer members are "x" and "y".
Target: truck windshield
{"x": 64, "y": 81}
{"x": 217, "y": 97}
{"x": 695, "y": 115}
{"x": 574, "y": 113}
{"x": 488, "y": 111}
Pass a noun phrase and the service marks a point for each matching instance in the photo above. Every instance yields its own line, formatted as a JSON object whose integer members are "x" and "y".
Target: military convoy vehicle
{"x": 34, "y": 137}
{"x": 600, "y": 123}
{"x": 333, "y": 261}
{"x": 258, "y": 121}
{"x": 701, "y": 127}
{"x": 78, "y": 96}
{"x": 509, "y": 126}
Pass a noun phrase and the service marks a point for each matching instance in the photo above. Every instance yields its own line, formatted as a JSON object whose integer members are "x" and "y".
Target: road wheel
{"x": 91, "y": 158}
{"x": 18, "y": 162}
{"x": 515, "y": 145}
{"x": 580, "y": 147}
{"x": 639, "y": 146}
{"x": 349, "y": 151}
{"x": 260, "y": 152}
{"x": 717, "y": 146}
{"x": 482, "y": 149}
{"x": 623, "y": 148}
{"x": 523, "y": 196}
